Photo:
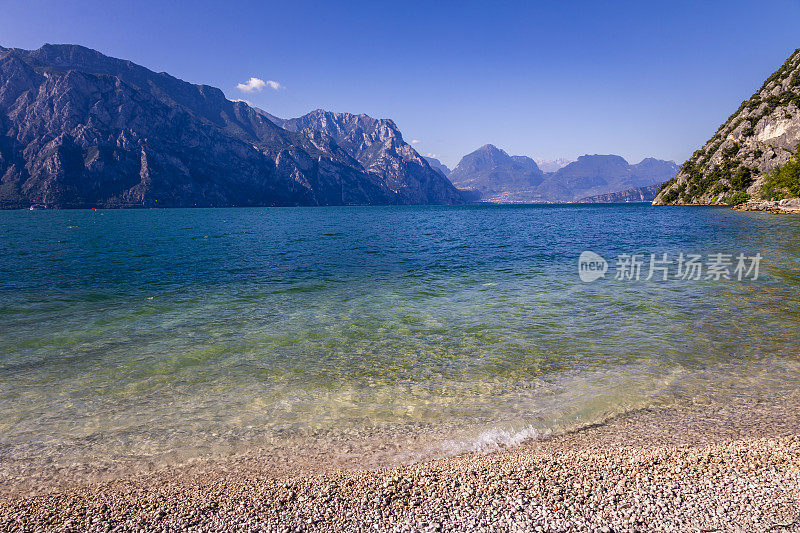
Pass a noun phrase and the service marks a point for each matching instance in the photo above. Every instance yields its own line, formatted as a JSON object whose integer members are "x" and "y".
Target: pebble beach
{"x": 688, "y": 470}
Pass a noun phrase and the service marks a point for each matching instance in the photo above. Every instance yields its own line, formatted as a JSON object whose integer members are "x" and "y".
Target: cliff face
{"x": 637, "y": 194}
{"x": 79, "y": 129}
{"x": 760, "y": 136}
{"x": 378, "y": 146}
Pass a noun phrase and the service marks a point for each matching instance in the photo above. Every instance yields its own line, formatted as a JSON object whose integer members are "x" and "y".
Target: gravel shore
{"x": 622, "y": 476}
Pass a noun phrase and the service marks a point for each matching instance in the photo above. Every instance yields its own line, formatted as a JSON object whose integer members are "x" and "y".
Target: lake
{"x": 375, "y": 334}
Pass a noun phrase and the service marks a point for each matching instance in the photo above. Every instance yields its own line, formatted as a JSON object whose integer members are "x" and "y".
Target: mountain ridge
{"x": 81, "y": 129}
{"x": 378, "y": 145}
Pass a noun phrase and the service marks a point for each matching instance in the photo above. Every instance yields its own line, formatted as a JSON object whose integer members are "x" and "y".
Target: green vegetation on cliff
{"x": 783, "y": 182}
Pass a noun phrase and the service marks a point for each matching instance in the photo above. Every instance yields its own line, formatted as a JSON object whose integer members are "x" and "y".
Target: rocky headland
{"x": 738, "y": 162}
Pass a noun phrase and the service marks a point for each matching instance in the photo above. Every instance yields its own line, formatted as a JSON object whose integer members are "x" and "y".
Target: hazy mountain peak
{"x": 492, "y": 149}
{"x": 606, "y": 158}
{"x": 649, "y": 160}
{"x": 491, "y": 169}
{"x": 551, "y": 165}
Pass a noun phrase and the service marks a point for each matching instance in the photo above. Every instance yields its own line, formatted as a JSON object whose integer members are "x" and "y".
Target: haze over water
{"x": 382, "y": 333}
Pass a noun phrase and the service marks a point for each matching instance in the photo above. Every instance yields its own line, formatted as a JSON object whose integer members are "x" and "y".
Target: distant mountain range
{"x": 80, "y": 129}
{"x": 637, "y": 194}
{"x": 496, "y": 176}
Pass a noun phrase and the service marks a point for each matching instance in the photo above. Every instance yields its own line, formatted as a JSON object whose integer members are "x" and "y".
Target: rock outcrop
{"x": 80, "y": 129}
{"x": 759, "y": 137}
{"x": 787, "y": 205}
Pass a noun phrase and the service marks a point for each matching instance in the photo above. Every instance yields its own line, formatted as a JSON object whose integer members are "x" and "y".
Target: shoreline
{"x": 696, "y": 468}
{"x": 786, "y": 206}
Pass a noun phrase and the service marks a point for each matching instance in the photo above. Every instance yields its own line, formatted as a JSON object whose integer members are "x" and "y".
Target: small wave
{"x": 494, "y": 439}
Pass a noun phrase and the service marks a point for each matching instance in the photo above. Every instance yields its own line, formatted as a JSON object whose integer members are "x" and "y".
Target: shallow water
{"x": 374, "y": 333}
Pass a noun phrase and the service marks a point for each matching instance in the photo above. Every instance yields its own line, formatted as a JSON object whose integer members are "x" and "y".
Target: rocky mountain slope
{"x": 637, "y": 194}
{"x": 499, "y": 177}
{"x": 79, "y": 129}
{"x": 378, "y": 146}
{"x": 759, "y": 137}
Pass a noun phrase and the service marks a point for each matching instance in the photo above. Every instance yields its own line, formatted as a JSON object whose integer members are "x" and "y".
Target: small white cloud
{"x": 432, "y": 155}
{"x": 242, "y": 100}
{"x": 254, "y": 85}
{"x": 416, "y": 141}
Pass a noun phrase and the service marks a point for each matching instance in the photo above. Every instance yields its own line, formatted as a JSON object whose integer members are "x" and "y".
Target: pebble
{"x": 754, "y": 486}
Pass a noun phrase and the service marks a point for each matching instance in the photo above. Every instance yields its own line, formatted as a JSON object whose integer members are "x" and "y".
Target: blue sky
{"x": 544, "y": 79}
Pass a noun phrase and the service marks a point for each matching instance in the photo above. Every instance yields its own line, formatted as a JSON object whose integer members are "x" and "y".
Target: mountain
{"x": 761, "y": 136}
{"x": 637, "y": 194}
{"x": 590, "y": 172}
{"x": 378, "y": 146}
{"x": 78, "y": 129}
{"x": 654, "y": 170}
{"x": 593, "y": 175}
{"x": 438, "y": 165}
{"x": 500, "y": 178}
{"x": 551, "y": 165}
{"x": 494, "y": 174}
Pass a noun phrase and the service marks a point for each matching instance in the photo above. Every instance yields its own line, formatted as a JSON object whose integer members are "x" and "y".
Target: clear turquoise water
{"x": 370, "y": 332}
